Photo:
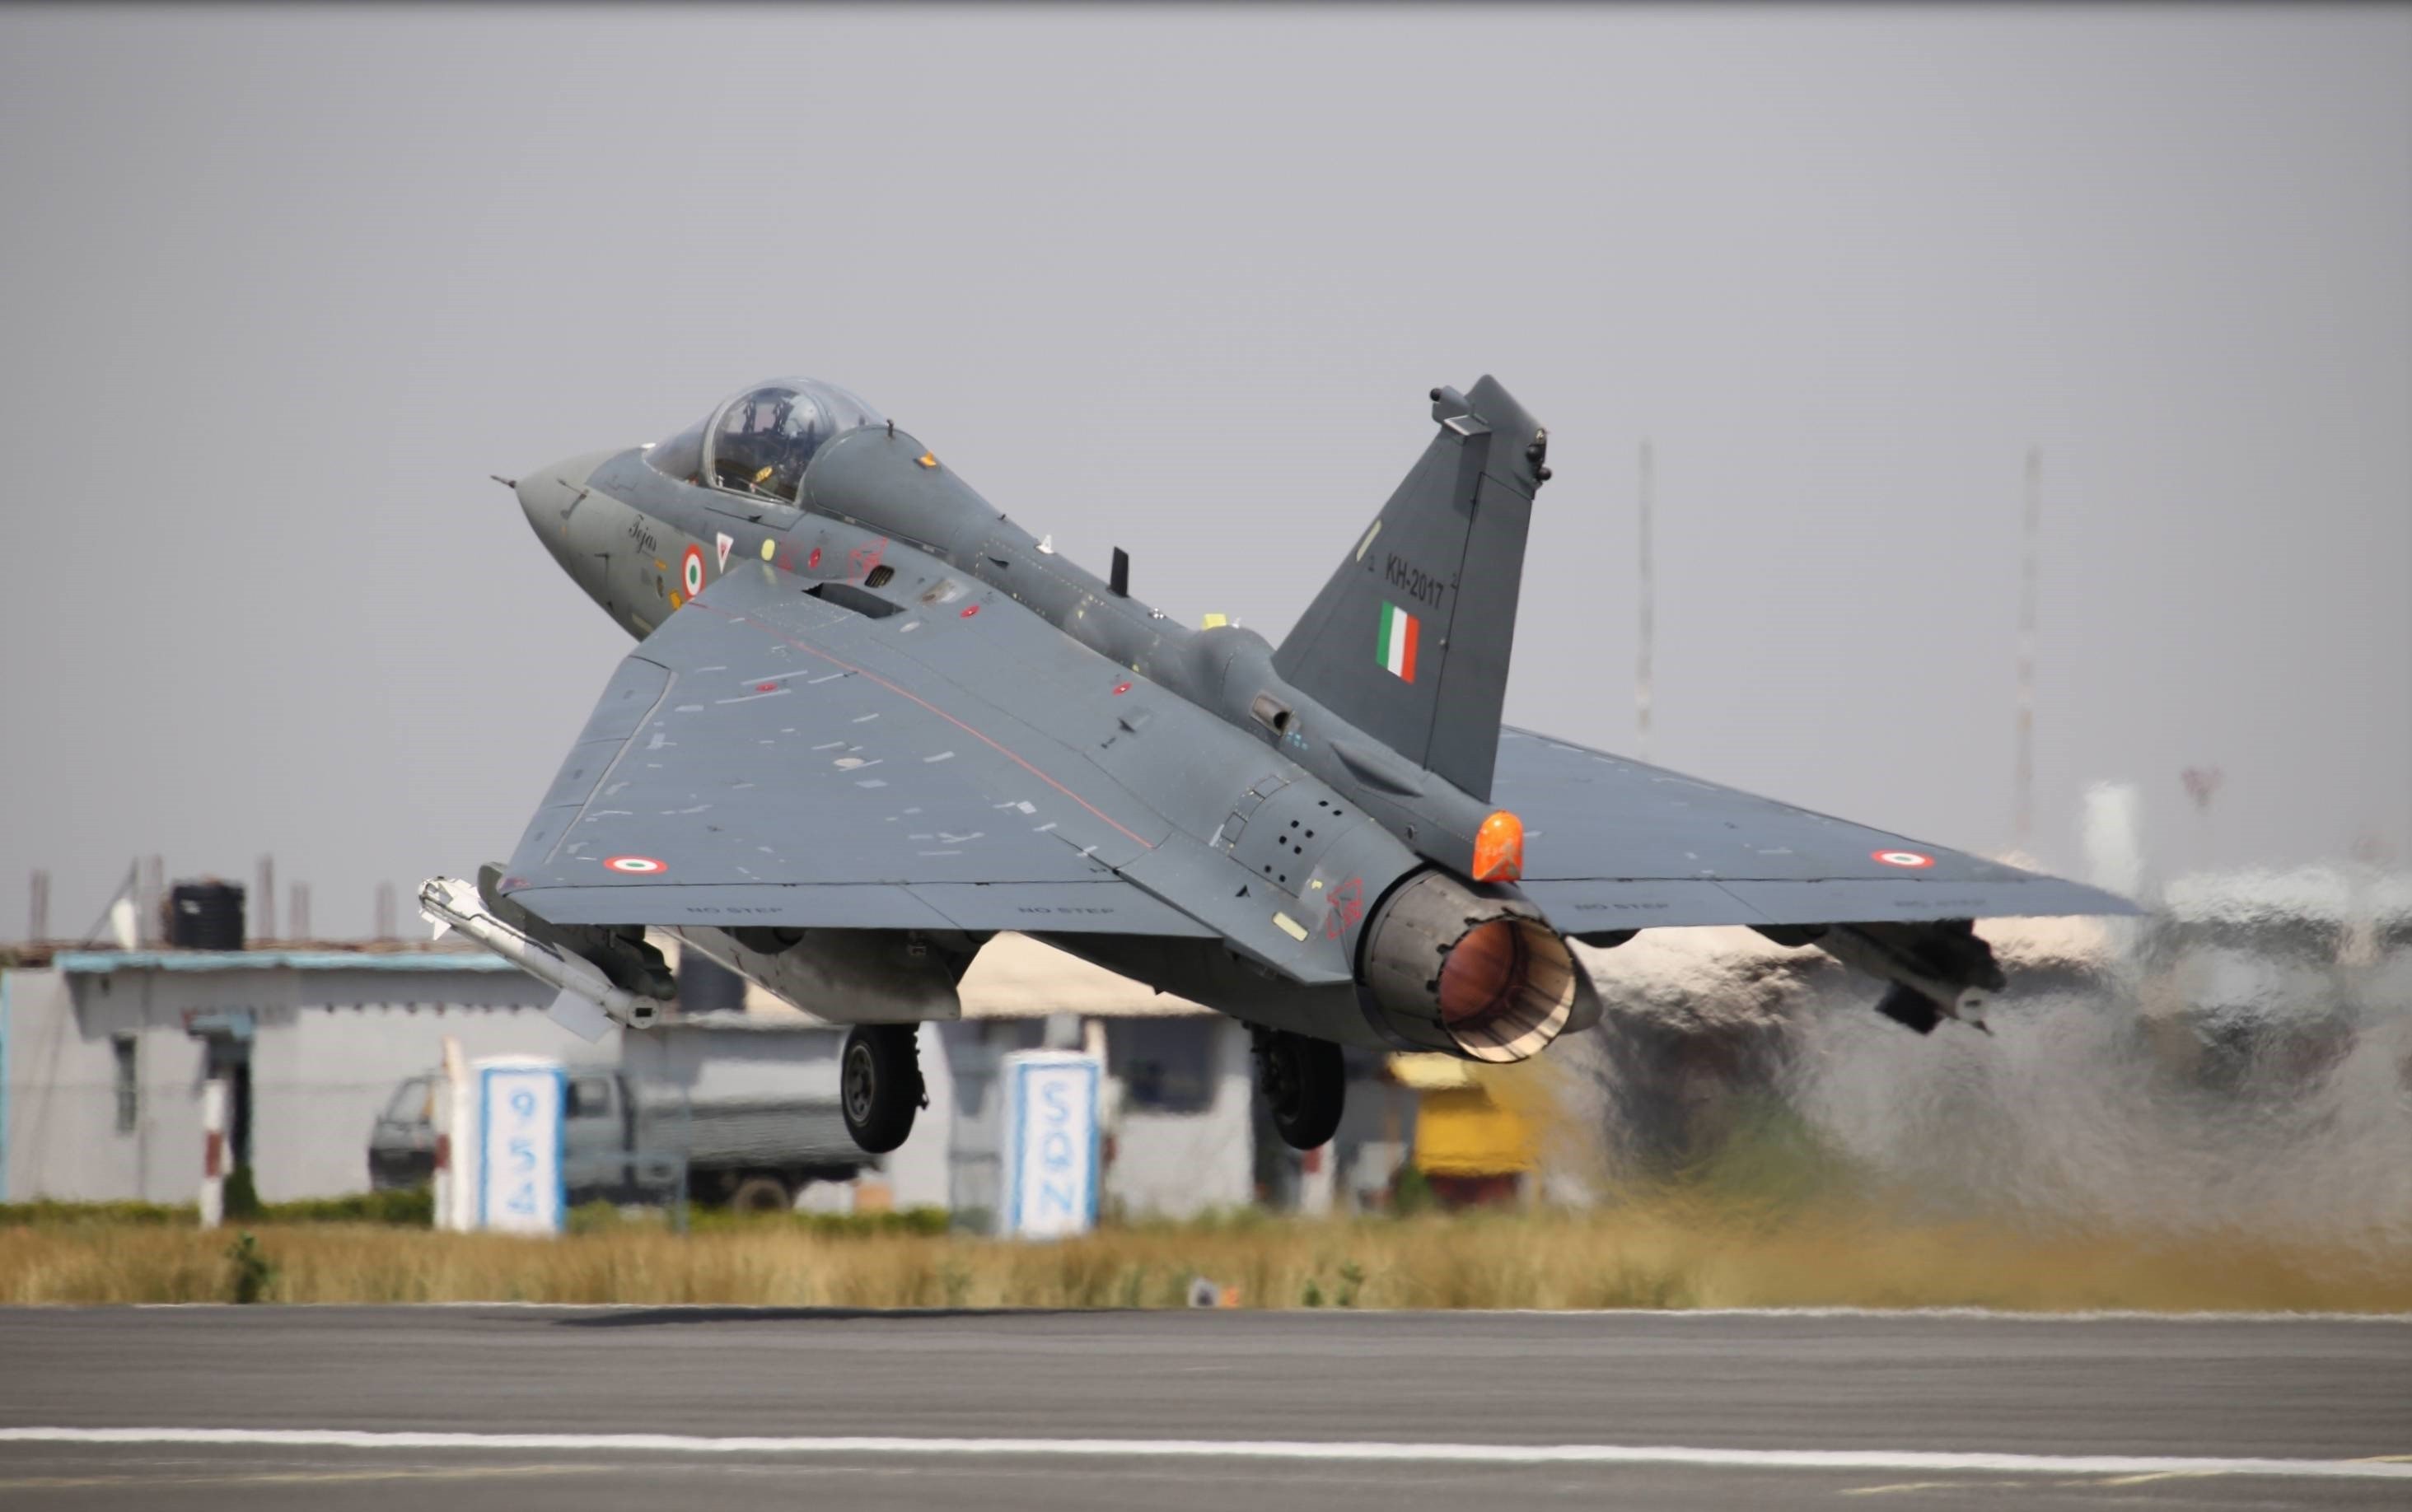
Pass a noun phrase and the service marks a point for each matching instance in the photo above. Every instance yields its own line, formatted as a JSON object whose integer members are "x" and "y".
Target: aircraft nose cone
{"x": 527, "y": 488}
{"x": 543, "y": 498}
{"x": 551, "y": 498}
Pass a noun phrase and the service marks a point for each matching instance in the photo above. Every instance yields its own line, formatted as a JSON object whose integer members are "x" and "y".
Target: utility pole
{"x": 385, "y": 911}
{"x": 150, "y": 901}
{"x": 263, "y": 911}
{"x": 1642, "y": 690}
{"x": 2022, "y": 828}
{"x": 296, "y": 911}
{"x": 38, "y": 909}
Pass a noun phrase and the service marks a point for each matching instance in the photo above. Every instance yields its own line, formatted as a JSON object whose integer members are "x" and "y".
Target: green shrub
{"x": 1411, "y": 1193}
{"x": 414, "y": 1207}
{"x": 252, "y": 1274}
{"x": 45, "y": 1213}
{"x": 241, "y": 1194}
{"x": 407, "y": 1207}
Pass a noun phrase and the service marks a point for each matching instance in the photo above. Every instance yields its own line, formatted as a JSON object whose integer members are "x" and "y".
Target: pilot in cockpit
{"x": 760, "y": 441}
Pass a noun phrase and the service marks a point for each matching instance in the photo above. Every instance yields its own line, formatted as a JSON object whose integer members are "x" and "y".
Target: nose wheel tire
{"x": 879, "y": 1084}
{"x": 1305, "y": 1086}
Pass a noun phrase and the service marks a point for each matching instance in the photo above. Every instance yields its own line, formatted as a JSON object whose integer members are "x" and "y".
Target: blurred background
{"x": 1962, "y": 362}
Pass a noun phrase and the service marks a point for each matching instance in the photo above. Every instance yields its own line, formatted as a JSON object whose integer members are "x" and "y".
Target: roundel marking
{"x": 635, "y": 865}
{"x": 1908, "y": 858}
{"x": 691, "y": 570}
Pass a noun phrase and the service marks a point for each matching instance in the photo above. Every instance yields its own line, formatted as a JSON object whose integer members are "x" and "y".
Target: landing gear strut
{"x": 1304, "y": 1084}
{"x": 879, "y": 1084}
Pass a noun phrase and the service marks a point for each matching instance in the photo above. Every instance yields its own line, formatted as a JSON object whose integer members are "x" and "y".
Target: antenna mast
{"x": 1642, "y": 690}
{"x": 2023, "y": 827}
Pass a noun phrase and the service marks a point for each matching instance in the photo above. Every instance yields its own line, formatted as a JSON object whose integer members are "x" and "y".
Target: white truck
{"x": 747, "y": 1106}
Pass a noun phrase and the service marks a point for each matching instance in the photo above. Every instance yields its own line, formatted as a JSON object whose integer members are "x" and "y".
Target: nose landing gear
{"x": 1304, "y": 1084}
{"x": 879, "y": 1084}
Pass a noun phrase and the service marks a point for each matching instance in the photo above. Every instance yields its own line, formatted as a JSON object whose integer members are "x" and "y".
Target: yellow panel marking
{"x": 768, "y": 547}
{"x": 928, "y": 459}
{"x": 660, "y": 565}
{"x": 1289, "y": 925}
{"x": 1215, "y": 622}
{"x": 675, "y": 598}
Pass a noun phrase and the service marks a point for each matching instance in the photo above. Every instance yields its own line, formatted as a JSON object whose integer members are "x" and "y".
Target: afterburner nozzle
{"x": 1485, "y": 976}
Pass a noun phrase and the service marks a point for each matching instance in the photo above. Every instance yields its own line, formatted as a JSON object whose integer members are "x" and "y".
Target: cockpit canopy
{"x": 758, "y": 442}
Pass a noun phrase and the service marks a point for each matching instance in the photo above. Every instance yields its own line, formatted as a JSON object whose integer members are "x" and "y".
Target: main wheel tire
{"x": 762, "y": 1194}
{"x": 879, "y": 1084}
{"x": 1305, "y": 1086}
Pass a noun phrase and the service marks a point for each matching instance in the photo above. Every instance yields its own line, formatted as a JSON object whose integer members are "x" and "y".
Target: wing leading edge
{"x": 1614, "y": 845}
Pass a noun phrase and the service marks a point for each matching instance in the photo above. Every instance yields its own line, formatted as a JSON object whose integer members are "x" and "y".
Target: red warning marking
{"x": 970, "y": 609}
{"x": 859, "y": 561}
{"x": 1348, "y": 907}
{"x": 691, "y": 570}
{"x": 788, "y": 561}
{"x": 814, "y": 560}
{"x": 766, "y": 688}
{"x": 1909, "y": 859}
{"x": 635, "y": 865}
{"x": 1121, "y": 688}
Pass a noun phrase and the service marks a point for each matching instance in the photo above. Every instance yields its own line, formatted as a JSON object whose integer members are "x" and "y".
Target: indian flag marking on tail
{"x": 1395, "y": 646}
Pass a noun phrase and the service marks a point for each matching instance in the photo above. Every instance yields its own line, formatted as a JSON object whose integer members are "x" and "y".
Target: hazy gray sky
{"x": 282, "y": 289}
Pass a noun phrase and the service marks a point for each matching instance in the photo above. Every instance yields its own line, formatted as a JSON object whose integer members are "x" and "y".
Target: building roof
{"x": 1015, "y": 977}
{"x": 98, "y": 963}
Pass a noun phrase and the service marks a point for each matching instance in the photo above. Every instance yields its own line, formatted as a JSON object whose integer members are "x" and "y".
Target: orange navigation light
{"x": 1499, "y": 848}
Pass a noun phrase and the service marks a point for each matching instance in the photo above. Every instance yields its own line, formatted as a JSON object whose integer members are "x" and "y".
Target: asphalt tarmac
{"x": 540, "y": 1408}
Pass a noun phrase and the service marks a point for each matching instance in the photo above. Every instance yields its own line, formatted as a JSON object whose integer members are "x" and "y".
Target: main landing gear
{"x": 879, "y": 1084}
{"x": 1304, "y": 1084}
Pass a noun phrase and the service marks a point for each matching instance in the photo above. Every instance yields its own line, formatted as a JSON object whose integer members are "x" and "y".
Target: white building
{"x": 103, "y": 1055}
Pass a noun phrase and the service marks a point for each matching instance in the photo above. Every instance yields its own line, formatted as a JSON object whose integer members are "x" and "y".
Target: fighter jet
{"x": 871, "y": 723}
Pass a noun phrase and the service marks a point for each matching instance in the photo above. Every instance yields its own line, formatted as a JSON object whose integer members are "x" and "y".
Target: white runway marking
{"x": 1079, "y": 1448}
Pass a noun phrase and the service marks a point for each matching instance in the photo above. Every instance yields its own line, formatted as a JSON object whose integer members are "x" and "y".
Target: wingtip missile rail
{"x": 588, "y": 1002}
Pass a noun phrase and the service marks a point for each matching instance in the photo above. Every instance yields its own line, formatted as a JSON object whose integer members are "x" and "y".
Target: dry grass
{"x": 1667, "y": 1254}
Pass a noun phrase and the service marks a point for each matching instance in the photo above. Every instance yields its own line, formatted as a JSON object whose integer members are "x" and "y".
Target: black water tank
{"x": 205, "y": 916}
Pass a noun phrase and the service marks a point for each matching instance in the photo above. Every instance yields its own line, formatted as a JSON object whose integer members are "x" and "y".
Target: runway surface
{"x": 609, "y": 1408}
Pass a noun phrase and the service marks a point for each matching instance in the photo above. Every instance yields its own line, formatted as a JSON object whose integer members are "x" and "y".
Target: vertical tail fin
{"x": 1409, "y": 640}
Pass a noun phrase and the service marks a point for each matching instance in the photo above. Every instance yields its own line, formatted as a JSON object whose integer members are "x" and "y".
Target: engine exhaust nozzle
{"x": 1483, "y": 975}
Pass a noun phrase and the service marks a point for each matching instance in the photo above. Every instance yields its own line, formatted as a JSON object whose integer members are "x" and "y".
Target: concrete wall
{"x": 327, "y": 1050}
{"x": 1163, "y": 1163}
{"x": 63, "y": 1139}
{"x": 329, "y": 1047}
{"x": 319, "y": 1079}
{"x": 1180, "y": 1165}
{"x": 917, "y": 1170}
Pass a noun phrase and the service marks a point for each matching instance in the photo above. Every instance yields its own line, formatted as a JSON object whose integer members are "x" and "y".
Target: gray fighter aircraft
{"x": 870, "y": 722}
